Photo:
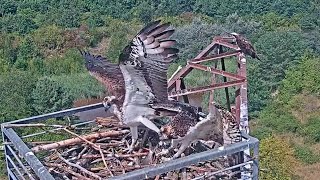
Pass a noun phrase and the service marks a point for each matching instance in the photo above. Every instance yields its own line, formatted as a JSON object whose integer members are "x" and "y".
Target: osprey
{"x": 219, "y": 126}
{"x": 138, "y": 83}
{"x": 189, "y": 130}
{"x": 245, "y": 45}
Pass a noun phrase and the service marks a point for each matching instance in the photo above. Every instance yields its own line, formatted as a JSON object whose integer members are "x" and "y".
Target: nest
{"x": 100, "y": 151}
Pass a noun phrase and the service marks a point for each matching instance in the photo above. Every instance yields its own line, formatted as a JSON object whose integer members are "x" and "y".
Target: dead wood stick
{"x": 33, "y": 125}
{"x": 115, "y": 155}
{"x": 157, "y": 177}
{"x": 79, "y": 167}
{"x": 107, "y": 145}
{"x": 39, "y": 142}
{"x": 60, "y": 166}
{"x": 201, "y": 169}
{"x": 77, "y": 140}
{"x": 104, "y": 162}
{"x": 96, "y": 147}
{"x": 128, "y": 168}
{"x": 62, "y": 174}
{"x": 82, "y": 152}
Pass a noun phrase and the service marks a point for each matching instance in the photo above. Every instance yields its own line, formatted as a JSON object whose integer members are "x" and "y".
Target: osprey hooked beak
{"x": 108, "y": 101}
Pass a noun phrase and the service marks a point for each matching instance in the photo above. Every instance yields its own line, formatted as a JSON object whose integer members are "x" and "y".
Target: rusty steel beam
{"x": 205, "y": 88}
{"x": 227, "y": 44}
{"x": 181, "y": 74}
{"x": 216, "y": 71}
{"x": 186, "y": 70}
{"x": 207, "y": 50}
{"x": 215, "y": 57}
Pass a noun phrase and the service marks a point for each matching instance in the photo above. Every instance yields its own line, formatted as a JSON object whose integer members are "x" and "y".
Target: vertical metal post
{"x": 226, "y": 89}
{"x": 244, "y": 124}
{"x": 243, "y": 116}
{"x": 178, "y": 87}
{"x": 4, "y": 139}
{"x": 183, "y": 86}
{"x": 255, "y": 168}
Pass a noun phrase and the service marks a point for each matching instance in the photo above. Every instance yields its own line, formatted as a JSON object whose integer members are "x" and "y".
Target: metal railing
{"x": 22, "y": 163}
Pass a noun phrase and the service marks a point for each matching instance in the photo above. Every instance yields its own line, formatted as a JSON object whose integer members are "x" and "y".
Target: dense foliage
{"x": 49, "y": 96}
{"x": 39, "y": 39}
{"x": 276, "y": 158}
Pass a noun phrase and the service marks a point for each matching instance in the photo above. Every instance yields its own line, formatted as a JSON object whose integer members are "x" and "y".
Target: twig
{"x": 82, "y": 152}
{"x": 33, "y": 125}
{"x": 77, "y": 140}
{"x": 106, "y": 145}
{"x": 157, "y": 177}
{"x": 96, "y": 147}
{"x": 104, "y": 162}
{"x": 39, "y": 142}
{"x": 79, "y": 176}
{"x": 78, "y": 166}
{"x": 128, "y": 168}
{"x": 199, "y": 169}
{"x": 115, "y": 155}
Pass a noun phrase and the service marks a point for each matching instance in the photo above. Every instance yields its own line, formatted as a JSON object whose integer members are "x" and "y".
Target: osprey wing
{"x": 151, "y": 52}
{"x": 107, "y": 73}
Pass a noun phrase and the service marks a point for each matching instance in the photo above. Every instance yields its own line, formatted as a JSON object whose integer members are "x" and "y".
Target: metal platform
{"x": 22, "y": 163}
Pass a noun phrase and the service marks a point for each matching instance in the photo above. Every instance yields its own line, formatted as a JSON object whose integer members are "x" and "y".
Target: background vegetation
{"x": 41, "y": 70}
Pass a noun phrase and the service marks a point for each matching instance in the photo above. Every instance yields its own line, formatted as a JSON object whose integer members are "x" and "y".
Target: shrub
{"x": 276, "y": 159}
{"x": 49, "y": 96}
{"x": 15, "y": 99}
{"x": 306, "y": 155}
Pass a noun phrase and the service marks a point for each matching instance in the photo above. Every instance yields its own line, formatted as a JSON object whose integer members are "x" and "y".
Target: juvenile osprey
{"x": 189, "y": 130}
{"x": 140, "y": 77}
{"x": 245, "y": 45}
{"x": 219, "y": 126}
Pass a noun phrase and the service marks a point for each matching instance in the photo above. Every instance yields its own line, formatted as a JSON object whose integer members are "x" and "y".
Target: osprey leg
{"x": 134, "y": 136}
{"x": 183, "y": 147}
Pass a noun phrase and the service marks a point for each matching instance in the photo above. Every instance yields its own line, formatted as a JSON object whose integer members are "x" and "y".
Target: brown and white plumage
{"x": 144, "y": 64}
{"x": 189, "y": 130}
{"x": 220, "y": 126}
{"x": 245, "y": 45}
{"x": 141, "y": 78}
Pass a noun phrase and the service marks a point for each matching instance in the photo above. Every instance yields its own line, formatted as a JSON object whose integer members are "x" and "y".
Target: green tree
{"x": 15, "y": 99}
{"x": 48, "y": 96}
{"x": 49, "y": 38}
{"x": 279, "y": 51}
{"x": 277, "y": 159}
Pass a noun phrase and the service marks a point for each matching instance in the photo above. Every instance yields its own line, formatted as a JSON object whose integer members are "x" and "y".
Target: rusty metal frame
{"x": 238, "y": 79}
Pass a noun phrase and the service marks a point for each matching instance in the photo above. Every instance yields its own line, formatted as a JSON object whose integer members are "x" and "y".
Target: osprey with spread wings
{"x": 138, "y": 83}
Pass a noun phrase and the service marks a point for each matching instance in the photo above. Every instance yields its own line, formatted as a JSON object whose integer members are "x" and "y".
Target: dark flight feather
{"x": 107, "y": 73}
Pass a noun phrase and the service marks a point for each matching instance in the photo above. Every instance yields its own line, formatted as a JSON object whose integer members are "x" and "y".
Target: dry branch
{"x": 93, "y": 156}
{"x": 79, "y": 167}
{"x": 78, "y": 140}
{"x": 61, "y": 167}
{"x": 33, "y": 125}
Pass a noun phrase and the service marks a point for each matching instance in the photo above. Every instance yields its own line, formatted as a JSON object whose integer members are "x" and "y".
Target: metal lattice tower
{"x": 177, "y": 88}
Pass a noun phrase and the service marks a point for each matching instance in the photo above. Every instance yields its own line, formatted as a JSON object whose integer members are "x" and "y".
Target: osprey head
{"x": 234, "y": 34}
{"x": 108, "y": 102}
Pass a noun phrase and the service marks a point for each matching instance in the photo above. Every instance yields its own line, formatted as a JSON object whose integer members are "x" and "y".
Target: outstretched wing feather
{"x": 107, "y": 73}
